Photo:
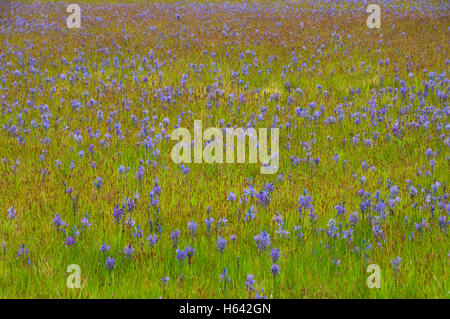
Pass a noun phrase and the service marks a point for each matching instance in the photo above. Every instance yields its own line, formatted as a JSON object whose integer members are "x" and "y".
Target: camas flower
{"x": 250, "y": 282}
{"x": 259, "y": 295}
{"x": 11, "y": 213}
{"x": 184, "y": 169}
{"x": 298, "y": 232}
{"x": 85, "y": 221}
{"x": 140, "y": 172}
{"x": 129, "y": 222}
{"x": 340, "y": 209}
{"x": 208, "y": 222}
{"x": 104, "y": 248}
{"x": 251, "y": 214}
{"x": 305, "y": 202}
{"x": 138, "y": 233}
{"x": 221, "y": 243}
{"x": 70, "y": 240}
{"x": 231, "y": 197}
{"x": 422, "y": 225}
{"x": 152, "y": 240}
{"x": 110, "y": 263}
{"x": 189, "y": 252}
{"x": 332, "y": 230}
{"x": 262, "y": 240}
{"x": 275, "y": 254}
{"x": 224, "y": 276}
{"x": 118, "y": 213}
{"x": 192, "y": 227}
{"x": 165, "y": 280}
{"x": 353, "y": 218}
{"x": 223, "y": 222}
{"x": 442, "y": 222}
{"x": 175, "y": 236}
{"x": 57, "y": 221}
{"x": 395, "y": 263}
{"x": 263, "y": 197}
{"x": 275, "y": 269}
{"x": 22, "y": 251}
{"x": 181, "y": 255}
{"x": 128, "y": 251}
{"x": 98, "y": 182}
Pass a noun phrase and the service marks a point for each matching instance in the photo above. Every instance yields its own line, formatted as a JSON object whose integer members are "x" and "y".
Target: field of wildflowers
{"x": 88, "y": 183}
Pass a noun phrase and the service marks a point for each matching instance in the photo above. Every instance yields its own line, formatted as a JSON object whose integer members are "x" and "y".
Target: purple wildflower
{"x": 85, "y": 221}
{"x": 140, "y": 172}
{"x": 22, "y": 251}
{"x": 259, "y": 295}
{"x": 224, "y": 276}
{"x": 208, "y": 222}
{"x": 340, "y": 209}
{"x": 165, "y": 280}
{"x": 275, "y": 269}
{"x": 181, "y": 255}
{"x": 138, "y": 233}
{"x": 336, "y": 261}
{"x": 305, "y": 202}
{"x": 152, "y": 240}
{"x": 189, "y": 252}
{"x": 250, "y": 282}
{"x": 422, "y": 225}
{"x": 251, "y": 214}
{"x": 221, "y": 243}
{"x": 11, "y": 213}
{"x": 104, "y": 248}
{"x": 70, "y": 240}
{"x": 395, "y": 263}
{"x": 98, "y": 182}
{"x": 231, "y": 197}
{"x": 332, "y": 230}
{"x": 118, "y": 213}
{"x": 128, "y": 251}
{"x": 262, "y": 240}
{"x": 353, "y": 218}
{"x": 275, "y": 254}
{"x": 110, "y": 263}
{"x": 175, "y": 236}
{"x": 192, "y": 227}
{"x": 442, "y": 222}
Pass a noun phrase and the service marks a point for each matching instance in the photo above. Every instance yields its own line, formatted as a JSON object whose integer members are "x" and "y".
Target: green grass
{"x": 307, "y": 270}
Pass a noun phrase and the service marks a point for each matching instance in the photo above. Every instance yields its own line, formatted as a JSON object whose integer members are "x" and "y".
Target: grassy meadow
{"x": 86, "y": 117}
